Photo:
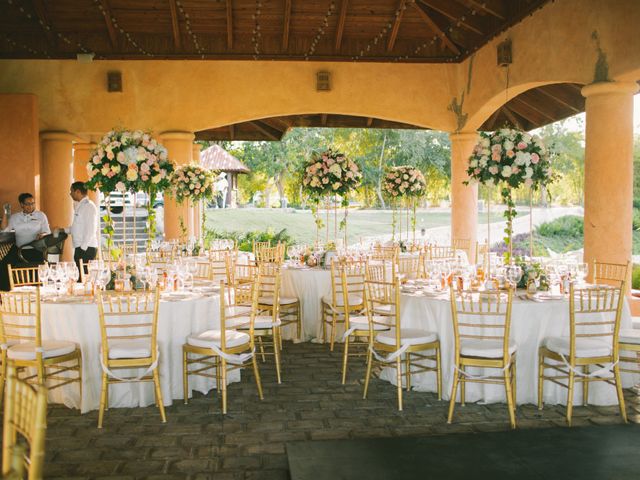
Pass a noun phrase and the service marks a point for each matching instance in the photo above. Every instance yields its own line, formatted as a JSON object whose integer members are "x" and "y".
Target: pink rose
{"x": 522, "y": 145}
{"x": 535, "y": 158}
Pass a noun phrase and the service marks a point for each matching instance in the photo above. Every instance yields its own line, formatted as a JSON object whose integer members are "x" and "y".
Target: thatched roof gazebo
{"x": 218, "y": 159}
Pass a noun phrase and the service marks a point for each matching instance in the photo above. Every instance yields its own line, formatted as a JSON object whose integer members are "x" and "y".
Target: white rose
{"x": 508, "y": 145}
{"x": 528, "y": 172}
{"x": 120, "y": 187}
{"x": 506, "y": 171}
{"x": 473, "y": 163}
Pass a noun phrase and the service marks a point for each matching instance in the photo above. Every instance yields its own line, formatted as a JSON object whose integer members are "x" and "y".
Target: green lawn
{"x": 300, "y": 223}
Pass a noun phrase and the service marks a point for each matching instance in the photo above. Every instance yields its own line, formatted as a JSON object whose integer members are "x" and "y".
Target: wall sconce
{"x": 114, "y": 81}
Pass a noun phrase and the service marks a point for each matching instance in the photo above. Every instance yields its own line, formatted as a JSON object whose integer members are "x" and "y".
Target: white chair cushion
{"x": 212, "y": 337}
{"x": 629, "y": 335}
{"x": 585, "y": 347}
{"x": 384, "y": 309}
{"x": 475, "y": 347}
{"x": 354, "y": 300}
{"x": 130, "y": 348}
{"x": 635, "y": 322}
{"x": 237, "y": 310}
{"x": 283, "y": 300}
{"x": 361, "y": 322}
{"x": 51, "y": 348}
{"x": 410, "y": 336}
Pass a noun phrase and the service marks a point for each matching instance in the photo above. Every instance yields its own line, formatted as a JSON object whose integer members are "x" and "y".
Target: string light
{"x": 257, "y": 34}
{"x": 321, "y": 30}
{"x": 401, "y": 8}
{"x": 32, "y": 51}
{"x": 187, "y": 22}
{"x": 47, "y": 27}
{"x": 126, "y": 35}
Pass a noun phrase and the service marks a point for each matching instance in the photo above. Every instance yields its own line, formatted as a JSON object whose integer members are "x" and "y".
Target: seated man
{"x": 29, "y": 225}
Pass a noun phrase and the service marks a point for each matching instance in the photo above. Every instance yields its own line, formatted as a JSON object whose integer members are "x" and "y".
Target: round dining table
{"x": 75, "y": 318}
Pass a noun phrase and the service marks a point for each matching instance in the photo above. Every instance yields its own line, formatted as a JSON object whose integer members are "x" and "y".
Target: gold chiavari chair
{"x": 218, "y": 265}
{"x": 271, "y": 254}
{"x": 23, "y": 277}
{"x": 267, "y": 323}
{"x": 410, "y": 267}
{"x": 481, "y": 327}
{"x": 203, "y": 271}
{"x": 259, "y": 246}
{"x": 352, "y": 275}
{"x": 461, "y": 244}
{"x": 481, "y": 256}
{"x": 441, "y": 253}
{"x": 222, "y": 349}
{"x": 629, "y": 347}
{"x": 37, "y": 361}
{"x": 594, "y": 327}
{"x": 129, "y": 340}
{"x": 240, "y": 279}
{"x": 25, "y": 416}
{"x": 385, "y": 252}
{"x": 610, "y": 273}
{"x": 333, "y": 305}
{"x": 399, "y": 347}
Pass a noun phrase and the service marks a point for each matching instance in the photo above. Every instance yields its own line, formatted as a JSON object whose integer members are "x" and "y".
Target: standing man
{"x": 84, "y": 228}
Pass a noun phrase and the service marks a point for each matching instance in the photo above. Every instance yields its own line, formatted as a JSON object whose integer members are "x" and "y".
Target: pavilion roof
{"x": 217, "y": 158}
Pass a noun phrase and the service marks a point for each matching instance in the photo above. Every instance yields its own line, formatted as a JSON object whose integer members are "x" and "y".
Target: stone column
{"x": 180, "y": 148}
{"x": 197, "y": 208}
{"x": 608, "y": 172}
{"x": 81, "y": 157}
{"x": 57, "y": 174}
{"x": 464, "y": 198}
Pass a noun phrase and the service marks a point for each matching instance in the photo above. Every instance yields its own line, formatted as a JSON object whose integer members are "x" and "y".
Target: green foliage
{"x": 567, "y": 226}
{"x": 635, "y": 277}
{"x": 245, "y": 239}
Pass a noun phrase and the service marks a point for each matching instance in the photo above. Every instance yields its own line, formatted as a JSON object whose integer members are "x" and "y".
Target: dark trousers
{"x": 84, "y": 255}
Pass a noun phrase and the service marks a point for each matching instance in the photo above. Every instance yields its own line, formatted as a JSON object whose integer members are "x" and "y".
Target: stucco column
{"x": 464, "y": 198}
{"x": 57, "y": 174}
{"x": 197, "y": 208}
{"x": 608, "y": 172}
{"x": 81, "y": 156}
{"x": 180, "y": 148}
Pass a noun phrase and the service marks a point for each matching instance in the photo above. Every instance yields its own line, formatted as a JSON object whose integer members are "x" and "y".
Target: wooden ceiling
{"x": 337, "y": 30}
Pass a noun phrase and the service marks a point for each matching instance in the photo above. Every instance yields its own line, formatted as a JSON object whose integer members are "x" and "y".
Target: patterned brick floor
{"x": 197, "y": 442}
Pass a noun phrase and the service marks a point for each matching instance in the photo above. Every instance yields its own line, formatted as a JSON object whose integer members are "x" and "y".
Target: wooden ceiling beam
{"x": 267, "y": 130}
{"x": 491, "y": 122}
{"x": 535, "y": 108}
{"x": 44, "y": 22}
{"x": 369, "y": 122}
{"x": 396, "y": 26}
{"x": 510, "y": 115}
{"x": 113, "y": 35}
{"x": 175, "y": 26}
{"x": 433, "y": 26}
{"x": 549, "y": 95}
{"x": 453, "y": 12}
{"x": 483, "y": 6}
{"x": 323, "y": 119}
{"x": 232, "y": 132}
{"x": 230, "y": 24}
{"x": 341, "y": 19}
{"x": 287, "y": 25}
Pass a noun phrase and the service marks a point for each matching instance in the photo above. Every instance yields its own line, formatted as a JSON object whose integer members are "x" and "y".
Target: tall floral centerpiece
{"x": 329, "y": 175}
{"x": 192, "y": 183}
{"x": 129, "y": 161}
{"x": 510, "y": 159}
{"x": 404, "y": 185}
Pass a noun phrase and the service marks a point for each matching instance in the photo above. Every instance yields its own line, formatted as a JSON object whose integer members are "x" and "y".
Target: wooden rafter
{"x": 483, "y": 6}
{"x": 232, "y": 132}
{"x": 529, "y": 105}
{"x": 229, "y": 24}
{"x": 369, "y": 122}
{"x": 548, "y": 94}
{"x": 323, "y": 119}
{"x": 175, "y": 26}
{"x": 511, "y": 116}
{"x": 453, "y": 13}
{"x": 491, "y": 122}
{"x": 268, "y": 130}
{"x": 341, "y": 19}
{"x": 42, "y": 16}
{"x": 287, "y": 25}
{"x": 113, "y": 35}
{"x": 433, "y": 26}
{"x": 396, "y": 26}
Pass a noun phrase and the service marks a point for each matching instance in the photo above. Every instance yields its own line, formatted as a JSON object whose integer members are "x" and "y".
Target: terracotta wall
{"x": 19, "y": 150}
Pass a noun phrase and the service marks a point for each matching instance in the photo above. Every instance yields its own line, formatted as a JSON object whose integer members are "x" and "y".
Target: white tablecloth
{"x": 308, "y": 285}
{"x": 78, "y": 322}
{"x": 531, "y": 323}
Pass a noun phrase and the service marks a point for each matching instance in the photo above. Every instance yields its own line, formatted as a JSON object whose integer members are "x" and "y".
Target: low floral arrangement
{"x": 127, "y": 160}
{"x": 330, "y": 173}
{"x": 509, "y": 159}
{"x": 192, "y": 182}
{"x": 534, "y": 271}
{"x": 404, "y": 181}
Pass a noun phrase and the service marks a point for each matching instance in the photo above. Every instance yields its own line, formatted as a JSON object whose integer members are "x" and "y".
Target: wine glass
{"x": 513, "y": 274}
{"x": 43, "y": 274}
{"x": 581, "y": 271}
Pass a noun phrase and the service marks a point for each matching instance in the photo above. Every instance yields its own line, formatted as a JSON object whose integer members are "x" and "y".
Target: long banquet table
{"x": 178, "y": 317}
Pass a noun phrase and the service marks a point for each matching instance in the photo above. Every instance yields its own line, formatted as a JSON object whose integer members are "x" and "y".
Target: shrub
{"x": 567, "y": 226}
{"x": 245, "y": 239}
{"x": 635, "y": 277}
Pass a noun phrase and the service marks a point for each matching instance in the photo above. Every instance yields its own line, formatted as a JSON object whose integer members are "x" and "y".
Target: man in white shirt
{"x": 84, "y": 229}
{"x": 29, "y": 225}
